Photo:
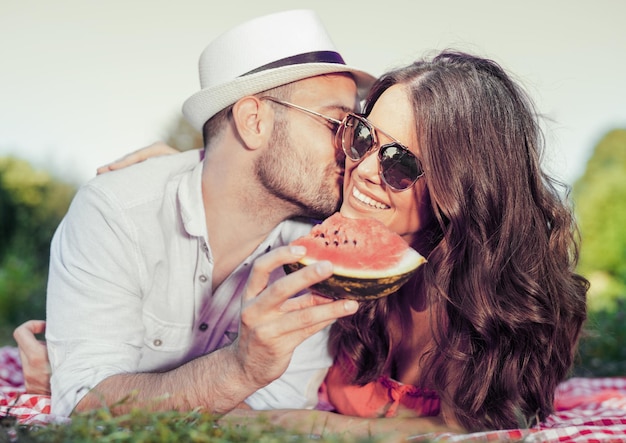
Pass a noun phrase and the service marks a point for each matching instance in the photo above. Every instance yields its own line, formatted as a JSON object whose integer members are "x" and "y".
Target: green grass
{"x": 163, "y": 427}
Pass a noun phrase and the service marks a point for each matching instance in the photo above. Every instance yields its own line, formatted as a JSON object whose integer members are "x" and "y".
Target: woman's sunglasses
{"x": 399, "y": 167}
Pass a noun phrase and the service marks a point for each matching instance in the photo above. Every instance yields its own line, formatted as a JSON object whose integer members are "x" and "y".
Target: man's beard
{"x": 295, "y": 177}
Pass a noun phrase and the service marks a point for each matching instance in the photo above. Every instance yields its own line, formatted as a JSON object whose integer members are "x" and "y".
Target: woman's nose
{"x": 368, "y": 168}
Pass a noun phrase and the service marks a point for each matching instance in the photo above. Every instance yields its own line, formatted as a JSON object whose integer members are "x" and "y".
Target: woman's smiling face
{"x": 364, "y": 192}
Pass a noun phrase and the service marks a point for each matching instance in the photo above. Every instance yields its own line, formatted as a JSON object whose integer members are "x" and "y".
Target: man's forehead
{"x": 336, "y": 90}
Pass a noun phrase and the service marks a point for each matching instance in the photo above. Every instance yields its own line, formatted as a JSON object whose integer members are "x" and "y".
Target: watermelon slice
{"x": 370, "y": 261}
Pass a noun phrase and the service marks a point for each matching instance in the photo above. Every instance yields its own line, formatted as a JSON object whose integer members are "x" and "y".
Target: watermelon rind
{"x": 408, "y": 261}
{"x": 364, "y": 284}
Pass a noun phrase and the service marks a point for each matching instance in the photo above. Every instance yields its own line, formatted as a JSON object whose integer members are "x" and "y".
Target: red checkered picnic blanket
{"x": 588, "y": 410}
{"x": 28, "y": 408}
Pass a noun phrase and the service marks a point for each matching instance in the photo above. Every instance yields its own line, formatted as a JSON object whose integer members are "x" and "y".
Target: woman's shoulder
{"x": 384, "y": 397}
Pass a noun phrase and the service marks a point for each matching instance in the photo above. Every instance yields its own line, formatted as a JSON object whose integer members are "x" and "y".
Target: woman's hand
{"x": 34, "y": 357}
{"x": 154, "y": 150}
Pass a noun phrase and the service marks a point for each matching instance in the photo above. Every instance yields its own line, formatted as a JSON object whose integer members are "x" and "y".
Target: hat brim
{"x": 203, "y": 105}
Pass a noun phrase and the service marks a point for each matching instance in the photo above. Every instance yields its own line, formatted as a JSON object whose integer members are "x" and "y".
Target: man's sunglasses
{"x": 399, "y": 168}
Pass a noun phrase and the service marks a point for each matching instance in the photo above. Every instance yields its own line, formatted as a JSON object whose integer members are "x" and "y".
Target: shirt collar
{"x": 191, "y": 203}
{"x": 194, "y": 220}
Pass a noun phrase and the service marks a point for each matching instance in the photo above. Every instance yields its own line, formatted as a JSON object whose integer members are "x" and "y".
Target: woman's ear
{"x": 253, "y": 121}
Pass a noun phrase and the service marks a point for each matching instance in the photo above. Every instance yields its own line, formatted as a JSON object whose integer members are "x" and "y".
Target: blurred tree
{"x": 7, "y": 218}
{"x": 32, "y": 204}
{"x": 600, "y": 197}
{"x": 183, "y": 136}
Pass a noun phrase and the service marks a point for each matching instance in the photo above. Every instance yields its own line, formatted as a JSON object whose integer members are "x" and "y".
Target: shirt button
{"x": 204, "y": 327}
{"x": 203, "y": 278}
{"x": 157, "y": 342}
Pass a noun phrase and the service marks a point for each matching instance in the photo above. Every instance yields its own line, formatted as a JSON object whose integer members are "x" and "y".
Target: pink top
{"x": 382, "y": 398}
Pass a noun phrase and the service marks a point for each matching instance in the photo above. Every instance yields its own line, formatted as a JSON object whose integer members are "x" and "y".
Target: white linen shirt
{"x": 130, "y": 286}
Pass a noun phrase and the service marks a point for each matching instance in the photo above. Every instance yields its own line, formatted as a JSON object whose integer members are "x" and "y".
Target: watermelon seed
{"x": 336, "y": 243}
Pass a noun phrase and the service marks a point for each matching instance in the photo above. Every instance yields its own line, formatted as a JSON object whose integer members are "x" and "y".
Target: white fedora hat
{"x": 261, "y": 54}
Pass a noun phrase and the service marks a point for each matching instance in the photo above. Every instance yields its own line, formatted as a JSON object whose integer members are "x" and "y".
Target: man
{"x": 148, "y": 291}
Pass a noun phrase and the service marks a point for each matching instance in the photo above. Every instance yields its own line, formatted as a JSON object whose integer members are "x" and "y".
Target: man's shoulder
{"x": 145, "y": 181}
{"x": 293, "y": 228}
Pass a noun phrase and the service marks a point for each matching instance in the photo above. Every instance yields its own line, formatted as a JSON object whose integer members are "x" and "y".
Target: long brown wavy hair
{"x": 499, "y": 281}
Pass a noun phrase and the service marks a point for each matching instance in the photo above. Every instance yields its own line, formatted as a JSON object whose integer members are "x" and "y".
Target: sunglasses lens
{"x": 399, "y": 167}
{"x": 357, "y": 138}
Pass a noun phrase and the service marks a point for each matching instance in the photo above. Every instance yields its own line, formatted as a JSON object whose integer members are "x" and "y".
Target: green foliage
{"x": 600, "y": 197}
{"x": 142, "y": 427}
{"x": 22, "y": 291}
{"x": 183, "y": 136}
{"x": 32, "y": 204}
{"x": 602, "y": 352}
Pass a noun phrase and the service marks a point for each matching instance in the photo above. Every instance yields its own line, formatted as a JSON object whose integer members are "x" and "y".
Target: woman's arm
{"x": 322, "y": 423}
{"x": 154, "y": 150}
{"x": 34, "y": 357}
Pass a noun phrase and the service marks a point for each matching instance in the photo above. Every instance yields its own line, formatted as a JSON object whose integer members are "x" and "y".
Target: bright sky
{"x": 83, "y": 82}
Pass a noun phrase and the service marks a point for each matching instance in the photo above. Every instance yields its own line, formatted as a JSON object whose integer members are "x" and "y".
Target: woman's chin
{"x": 350, "y": 211}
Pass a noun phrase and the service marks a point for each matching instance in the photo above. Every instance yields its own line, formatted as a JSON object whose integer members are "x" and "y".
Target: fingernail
{"x": 324, "y": 267}
{"x": 297, "y": 250}
{"x": 350, "y": 305}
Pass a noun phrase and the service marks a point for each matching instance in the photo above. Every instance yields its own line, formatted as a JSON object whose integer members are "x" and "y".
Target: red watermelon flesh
{"x": 369, "y": 260}
{"x": 365, "y": 243}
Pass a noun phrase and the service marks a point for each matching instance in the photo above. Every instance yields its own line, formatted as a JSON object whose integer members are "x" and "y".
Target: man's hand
{"x": 34, "y": 357}
{"x": 273, "y": 322}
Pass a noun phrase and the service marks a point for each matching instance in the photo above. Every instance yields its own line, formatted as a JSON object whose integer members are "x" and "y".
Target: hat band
{"x": 300, "y": 59}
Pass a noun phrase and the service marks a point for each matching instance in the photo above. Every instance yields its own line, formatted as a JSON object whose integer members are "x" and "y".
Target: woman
{"x": 496, "y": 312}
{"x": 449, "y": 157}
{"x": 483, "y": 334}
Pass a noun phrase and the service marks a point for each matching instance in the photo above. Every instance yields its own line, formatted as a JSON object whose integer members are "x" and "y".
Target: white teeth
{"x": 368, "y": 201}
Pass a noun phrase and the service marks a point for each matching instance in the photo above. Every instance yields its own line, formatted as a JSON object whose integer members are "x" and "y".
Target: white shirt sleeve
{"x": 93, "y": 269}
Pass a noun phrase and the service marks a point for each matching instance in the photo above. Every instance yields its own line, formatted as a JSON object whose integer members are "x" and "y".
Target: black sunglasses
{"x": 399, "y": 167}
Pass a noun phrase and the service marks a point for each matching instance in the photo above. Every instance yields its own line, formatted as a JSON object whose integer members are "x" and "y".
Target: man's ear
{"x": 254, "y": 121}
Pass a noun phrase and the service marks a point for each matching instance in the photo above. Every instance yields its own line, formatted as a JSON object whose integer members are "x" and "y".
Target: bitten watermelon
{"x": 370, "y": 261}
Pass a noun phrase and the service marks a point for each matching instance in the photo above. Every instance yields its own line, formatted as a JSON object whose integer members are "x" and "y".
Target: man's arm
{"x": 272, "y": 325}
{"x": 214, "y": 382}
